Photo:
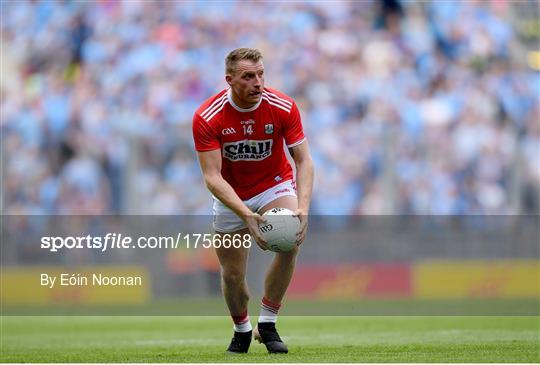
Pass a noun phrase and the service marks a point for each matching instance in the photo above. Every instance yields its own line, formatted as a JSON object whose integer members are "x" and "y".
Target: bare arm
{"x": 210, "y": 162}
{"x": 304, "y": 184}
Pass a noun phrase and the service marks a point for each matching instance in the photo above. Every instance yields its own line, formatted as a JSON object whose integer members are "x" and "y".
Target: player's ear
{"x": 228, "y": 79}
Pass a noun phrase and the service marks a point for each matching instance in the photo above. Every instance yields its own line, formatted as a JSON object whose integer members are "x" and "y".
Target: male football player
{"x": 239, "y": 135}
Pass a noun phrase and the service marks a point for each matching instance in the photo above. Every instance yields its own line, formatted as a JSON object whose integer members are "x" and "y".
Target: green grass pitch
{"x": 310, "y": 339}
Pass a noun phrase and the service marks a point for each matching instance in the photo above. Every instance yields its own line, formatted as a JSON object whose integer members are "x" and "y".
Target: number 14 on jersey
{"x": 248, "y": 129}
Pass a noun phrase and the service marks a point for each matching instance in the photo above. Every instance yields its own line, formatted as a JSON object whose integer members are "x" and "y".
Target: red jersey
{"x": 251, "y": 140}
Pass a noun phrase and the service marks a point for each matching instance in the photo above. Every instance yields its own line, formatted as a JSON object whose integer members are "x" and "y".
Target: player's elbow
{"x": 211, "y": 181}
{"x": 304, "y": 162}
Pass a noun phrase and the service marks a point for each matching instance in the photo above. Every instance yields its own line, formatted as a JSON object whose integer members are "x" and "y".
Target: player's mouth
{"x": 255, "y": 93}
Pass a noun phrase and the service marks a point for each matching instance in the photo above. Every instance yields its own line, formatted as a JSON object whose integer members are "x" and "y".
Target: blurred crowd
{"x": 409, "y": 107}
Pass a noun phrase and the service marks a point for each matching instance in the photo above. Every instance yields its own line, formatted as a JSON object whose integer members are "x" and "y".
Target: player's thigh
{"x": 288, "y": 201}
{"x": 232, "y": 259}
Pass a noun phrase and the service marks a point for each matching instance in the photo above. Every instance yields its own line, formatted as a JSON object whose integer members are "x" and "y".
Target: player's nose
{"x": 258, "y": 82}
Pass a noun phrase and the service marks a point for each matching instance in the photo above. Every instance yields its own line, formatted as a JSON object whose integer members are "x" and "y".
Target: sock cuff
{"x": 241, "y": 318}
{"x": 272, "y": 307}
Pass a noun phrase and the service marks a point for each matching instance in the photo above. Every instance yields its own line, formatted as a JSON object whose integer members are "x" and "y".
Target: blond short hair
{"x": 239, "y": 54}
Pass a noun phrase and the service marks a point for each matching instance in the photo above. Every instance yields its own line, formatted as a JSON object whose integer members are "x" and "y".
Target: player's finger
{"x": 259, "y": 239}
{"x": 302, "y": 228}
{"x": 255, "y": 230}
{"x": 297, "y": 213}
{"x": 301, "y": 234}
{"x": 263, "y": 247}
{"x": 261, "y": 242}
{"x": 302, "y": 221}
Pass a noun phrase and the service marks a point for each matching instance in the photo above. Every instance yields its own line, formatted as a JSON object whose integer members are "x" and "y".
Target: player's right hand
{"x": 252, "y": 221}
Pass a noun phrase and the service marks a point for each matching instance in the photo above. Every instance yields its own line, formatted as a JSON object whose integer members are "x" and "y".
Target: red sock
{"x": 269, "y": 311}
{"x": 241, "y": 322}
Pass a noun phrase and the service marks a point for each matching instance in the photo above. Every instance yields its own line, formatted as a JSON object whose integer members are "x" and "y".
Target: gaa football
{"x": 280, "y": 229}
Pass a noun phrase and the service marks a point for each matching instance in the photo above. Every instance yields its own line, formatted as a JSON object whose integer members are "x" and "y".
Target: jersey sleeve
{"x": 204, "y": 136}
{"x": 293, "y": 132}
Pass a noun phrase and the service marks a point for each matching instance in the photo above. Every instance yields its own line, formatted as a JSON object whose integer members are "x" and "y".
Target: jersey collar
{"x": 242, "y": 110}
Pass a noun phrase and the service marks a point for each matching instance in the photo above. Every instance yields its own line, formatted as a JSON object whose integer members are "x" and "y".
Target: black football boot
{"x": 240, "y": 343}
{"x": 266, "y": 333}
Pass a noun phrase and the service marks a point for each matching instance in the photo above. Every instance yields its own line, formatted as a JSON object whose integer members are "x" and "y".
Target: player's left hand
{"x": 301, "y": 234}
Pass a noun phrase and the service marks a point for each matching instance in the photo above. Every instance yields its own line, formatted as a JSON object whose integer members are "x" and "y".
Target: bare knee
{"x": 233, "y": 277}
{"x": 289, "y": 255}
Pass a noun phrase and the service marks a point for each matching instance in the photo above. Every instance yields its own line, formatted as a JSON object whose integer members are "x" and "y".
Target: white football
{"x": 280, "y": 229}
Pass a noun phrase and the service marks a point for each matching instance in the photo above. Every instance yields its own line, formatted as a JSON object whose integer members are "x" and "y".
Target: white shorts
{"x": 226, "y": 221}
